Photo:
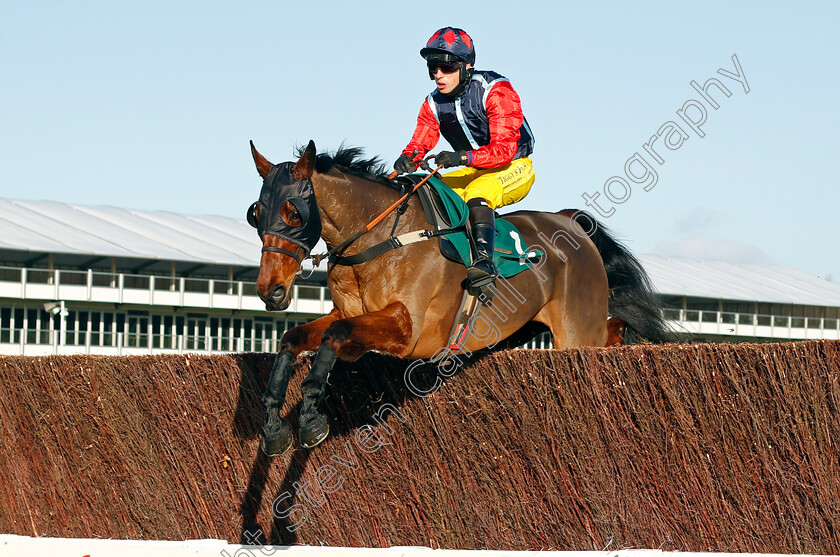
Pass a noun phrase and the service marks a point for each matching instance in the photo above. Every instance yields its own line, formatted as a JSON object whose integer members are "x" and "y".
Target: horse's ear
{"x": 263, "y": 166}
{"x": 304, "y": 167}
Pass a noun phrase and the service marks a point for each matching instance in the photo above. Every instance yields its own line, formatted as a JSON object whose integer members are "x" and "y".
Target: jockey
{"x": 480, "y": 115}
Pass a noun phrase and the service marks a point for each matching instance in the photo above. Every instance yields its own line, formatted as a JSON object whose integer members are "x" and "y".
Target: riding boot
{"x": 313, "y": 426}
{"x": 482, "y": 236}
{"x": 277, "y": 434}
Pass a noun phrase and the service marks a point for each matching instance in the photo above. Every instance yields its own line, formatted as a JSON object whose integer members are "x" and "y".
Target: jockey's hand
{"x": 448, "y": 158}
{"x": 404, "y": 164}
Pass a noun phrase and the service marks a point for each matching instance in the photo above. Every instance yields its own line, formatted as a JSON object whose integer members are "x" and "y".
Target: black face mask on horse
{"x": 298, "y": 223}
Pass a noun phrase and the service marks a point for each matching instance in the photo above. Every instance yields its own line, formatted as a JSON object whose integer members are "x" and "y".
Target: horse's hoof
{"x": 277, "y": 438}
{"x": 313, "y": 431}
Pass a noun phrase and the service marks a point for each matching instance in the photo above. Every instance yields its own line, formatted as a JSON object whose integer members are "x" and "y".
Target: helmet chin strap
{"x": 465, "y": 75}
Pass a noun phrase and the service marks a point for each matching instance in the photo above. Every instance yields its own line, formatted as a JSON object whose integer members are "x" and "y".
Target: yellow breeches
{"x": 498, "y": 186}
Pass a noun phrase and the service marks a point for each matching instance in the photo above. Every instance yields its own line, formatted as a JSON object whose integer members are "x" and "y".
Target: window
{"x": 247, "y": 335}
{"x": 7, "y": 331}
{"x": 95, "y": 328}
{"x": 225, "y": 287}
{"x": 78, "y": 278}
{"x": 163, "y": 332}
{"x": 196, "y": 285}
{"x": 105, "y": 279}
{"x": 180, "y": 330}
{"x": 138, "y": 331}
{"x": 196, "y": 333}
{"x": 76, "y": 327}
{"x": 262, "y": 335}
{"x": 137, "y": 282}
{"x": 671, "y": 313}
{"x": 701, "y": 304}
{"x": 309, "y": 293}
{"x": 738, "y": 307}
{"x": 37, "y": 329}
{"x": 675, "y": 302}
{"x": 249, "y": 289}
{"x": 221, "y": 334}
{"x": 10, "y": 274}
{"x": 108, "y": 330}
{"x": 167, "y": 283}
{"x": 236, "y": 333}
{"x": 17, "y": 322}
{"x": 40, "y": 276}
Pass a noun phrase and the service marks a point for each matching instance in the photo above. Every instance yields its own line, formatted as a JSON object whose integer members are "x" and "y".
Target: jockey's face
{"x": 447, "y": 82}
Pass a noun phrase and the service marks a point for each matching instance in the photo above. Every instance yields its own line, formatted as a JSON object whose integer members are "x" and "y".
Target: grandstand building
{"x": 105, "y": 280}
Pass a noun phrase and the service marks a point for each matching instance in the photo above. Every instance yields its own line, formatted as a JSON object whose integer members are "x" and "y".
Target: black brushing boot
{"x": 277, "y": 434}
{"x": 313, "y": 426}
{"x": 482, "y": 237}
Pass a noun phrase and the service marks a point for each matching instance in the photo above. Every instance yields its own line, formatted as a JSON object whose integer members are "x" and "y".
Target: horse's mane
{"x": 351, "y": 160}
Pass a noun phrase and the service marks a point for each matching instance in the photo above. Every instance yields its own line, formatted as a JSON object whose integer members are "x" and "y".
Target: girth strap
{"x": 372, "y": 252}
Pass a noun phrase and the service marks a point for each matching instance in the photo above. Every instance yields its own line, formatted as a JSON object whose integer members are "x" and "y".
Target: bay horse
{"x": 404, "y": 302}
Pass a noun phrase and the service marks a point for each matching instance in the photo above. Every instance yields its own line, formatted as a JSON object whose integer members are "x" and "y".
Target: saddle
{"x": 445, "y": 210}
{"x": 441, "y": 216}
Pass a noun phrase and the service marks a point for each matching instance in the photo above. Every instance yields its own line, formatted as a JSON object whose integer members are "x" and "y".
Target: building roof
{"x": 50, "y": 226}
{"x": 63, "y": 228}
{"x": 776, "y": 284}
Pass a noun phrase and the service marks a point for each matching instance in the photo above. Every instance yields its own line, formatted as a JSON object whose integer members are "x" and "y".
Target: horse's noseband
{"x": 299, "y": 254}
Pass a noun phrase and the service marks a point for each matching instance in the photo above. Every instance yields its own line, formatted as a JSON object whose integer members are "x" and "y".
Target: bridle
{"x": 399, "y": 205}
{"x": 266, "y": 214}
{"x": 302, "y": 253}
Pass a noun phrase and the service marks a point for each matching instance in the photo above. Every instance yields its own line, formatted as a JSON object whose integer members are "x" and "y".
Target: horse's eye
{"x": 290, "y": 214}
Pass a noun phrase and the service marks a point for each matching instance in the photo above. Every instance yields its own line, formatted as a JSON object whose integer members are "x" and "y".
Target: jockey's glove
{"x": 404, "y": 164}
{"x": 448, "y": 158}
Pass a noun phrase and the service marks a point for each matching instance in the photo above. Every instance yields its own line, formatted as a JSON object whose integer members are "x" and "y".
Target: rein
{"x": 387, "y": 245}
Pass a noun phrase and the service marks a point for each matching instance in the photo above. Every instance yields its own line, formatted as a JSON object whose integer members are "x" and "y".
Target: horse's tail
{"x": 632, "y": 299}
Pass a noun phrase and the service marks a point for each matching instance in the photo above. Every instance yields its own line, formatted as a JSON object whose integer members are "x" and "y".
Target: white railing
{"x": 39, "y": 285}
{"x": 152, "y": 290}
{"x": 24, "y": 545}
{"x": 707, "y": 322}
{"x": 48, "y": 339}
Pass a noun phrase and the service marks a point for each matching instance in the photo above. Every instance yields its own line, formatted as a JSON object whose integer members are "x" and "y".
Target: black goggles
{"x": 445, "y": 67}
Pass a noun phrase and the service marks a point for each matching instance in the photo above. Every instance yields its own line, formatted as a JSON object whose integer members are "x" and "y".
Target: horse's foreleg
{"x": 387, "y": 330}
{"x": 308, "y": 336}
{"x": 277, "y": 435}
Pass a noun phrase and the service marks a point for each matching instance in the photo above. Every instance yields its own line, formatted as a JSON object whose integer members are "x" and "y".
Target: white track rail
{"x": 71, "y": 547}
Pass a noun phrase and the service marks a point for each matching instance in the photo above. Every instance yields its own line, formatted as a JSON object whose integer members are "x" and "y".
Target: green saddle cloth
{"x": 509, "y": 254}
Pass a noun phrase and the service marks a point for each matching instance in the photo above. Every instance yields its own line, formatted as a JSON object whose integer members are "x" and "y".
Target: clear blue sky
{"x": 150, "y": 105}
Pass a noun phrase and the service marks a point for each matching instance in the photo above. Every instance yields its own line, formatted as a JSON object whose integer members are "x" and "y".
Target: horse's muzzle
{"x": 276, "y": 300}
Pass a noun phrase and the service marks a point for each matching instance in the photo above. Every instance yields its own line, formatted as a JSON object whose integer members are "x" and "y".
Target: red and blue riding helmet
{"x": 450, "y": 44}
